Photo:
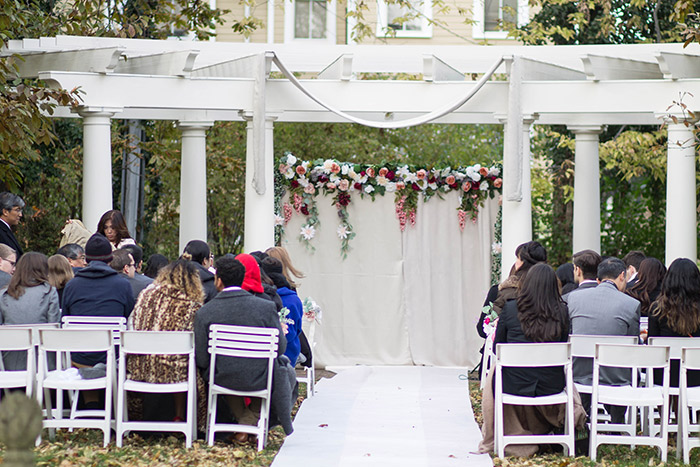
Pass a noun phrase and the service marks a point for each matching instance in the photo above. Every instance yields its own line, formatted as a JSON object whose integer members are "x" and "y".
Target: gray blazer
{"x": 37, "y": 304}
{"x": 602, "y": 310}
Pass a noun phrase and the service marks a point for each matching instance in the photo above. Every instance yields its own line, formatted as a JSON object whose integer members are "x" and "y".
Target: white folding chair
{"x": 689, "y": 400}
{"x": 487, "y": 360}
{"x": 309, "y": 377}
{"x": 17, "y": 339}
{"x": 75, "y": 340}
{"x": 634, "y": 357}
{"x": 532, "y": 356}
{"x": 676, "y": 345}
{"x": 157, "y": 343}
{"x": 241, "y": 342}
{"x": 583, "y": 346}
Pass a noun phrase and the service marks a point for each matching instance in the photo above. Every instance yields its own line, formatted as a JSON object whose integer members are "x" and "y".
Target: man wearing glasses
{"x": 11, "y": 207}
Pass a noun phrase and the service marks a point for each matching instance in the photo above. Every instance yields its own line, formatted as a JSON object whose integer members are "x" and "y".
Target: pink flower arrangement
{"x": 330, "y": 185}
{"x": 309, "y": 189}
{"x": 421, "y": 174}
{"x": 466, "y": 186}
{"x": 343, "y": 185}
{"x": 283, "y": 168}
{"x": 498, "y": 183}
{"x": 483, "y": 171}
{"x": 297, "y": 201}
{"x": 383, "y": 171}
{"x": 462, "y": 216}
{"x": 287, "y": 210}
{"x": 335, "y": 168}
{"x": 370, "y": 172}
{"x": 400, "y": 185}
{"x": 450, "y": 180}
{"x": 300, "y": 170}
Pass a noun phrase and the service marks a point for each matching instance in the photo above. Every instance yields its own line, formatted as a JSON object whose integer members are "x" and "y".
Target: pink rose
{"x": 300, "y": 170}
{"x": 343, "y": 185}
{"x": 283, "y": 168}
{"x": 330, "y": 185}
{"x": 450, "y": 180}
{"x": 498, "y": 183}
{"x": 484, "y": 171}
{"x": 370, "y": 172}
{"x": 400, "y": 185}
{"x": 335, "y": 168}
{"x": 421, "y": 174}
{"x": 466, "y": 186}
{"x": 383, "y": 171}
{"x": 309, "y": 189}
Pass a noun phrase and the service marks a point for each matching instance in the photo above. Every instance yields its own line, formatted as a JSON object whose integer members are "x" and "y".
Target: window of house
{"x": 395, "y": 20}
{"x": 489, "y": 15}
{"x": 309, "y": 20}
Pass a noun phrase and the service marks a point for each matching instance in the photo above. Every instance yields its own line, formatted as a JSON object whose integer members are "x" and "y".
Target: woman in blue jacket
{"x": 290, "y": 300}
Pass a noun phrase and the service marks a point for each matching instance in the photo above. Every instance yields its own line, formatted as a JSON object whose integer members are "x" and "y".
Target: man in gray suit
{"x": 604, "y": 310}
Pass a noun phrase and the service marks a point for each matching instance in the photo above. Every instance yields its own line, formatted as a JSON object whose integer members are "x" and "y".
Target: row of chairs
{"x": 103, "y": 335}
{"x": 608, "y": 351}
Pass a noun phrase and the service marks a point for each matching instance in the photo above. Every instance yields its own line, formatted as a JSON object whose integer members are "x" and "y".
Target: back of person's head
{"x": 197, "y": 250}
{"x": 98, "y": 248}
{"x": 587, "y": 261}
{"x": 6, "y": 251}
{"x": 60, "y": 271}
{"x": 155, "y": 263}
{"x": 251, "y": 282}
{"x": 679, "y": 302}
{"x": 32, "y": 269}
{"x": 634, "y": 258}
{"x": 273, "y": 268}
{"x": 610, "y": 268}
{"x": 651, "y": 274}
{"x": 565, "y": 274}
{"x": 230, "y": 271}
{"x": 71, "y": 251}
{"x": 540, "y": 305}
{"x": 120, "y": 258}
{"x": 136, "y": 252}
{"x": 530, "y": 253}
{"x": 288, "y": 268}
{"x": 183, "y": 275}
{"x": 118, "y": 224}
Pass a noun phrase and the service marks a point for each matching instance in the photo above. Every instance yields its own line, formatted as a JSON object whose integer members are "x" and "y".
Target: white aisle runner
{"x": 402, "y": 416}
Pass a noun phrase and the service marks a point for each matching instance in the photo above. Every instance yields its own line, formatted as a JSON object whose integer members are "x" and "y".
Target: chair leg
{"x": 211, "y": 419}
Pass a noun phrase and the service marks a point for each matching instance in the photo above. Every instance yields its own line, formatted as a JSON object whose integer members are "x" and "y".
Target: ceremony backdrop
{"x": 399, "y": 298}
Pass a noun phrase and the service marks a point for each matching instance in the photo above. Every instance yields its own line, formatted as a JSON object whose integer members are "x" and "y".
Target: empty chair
{"x": 157, "y": 343}
{"x": 241, "y": 342}
{"x": 532, "y": 356}
{"x": 64, "y": 341}
{"x": 634, "y": 357}
{"x": 17, "y": 339}
{"x": 689, "y": 400}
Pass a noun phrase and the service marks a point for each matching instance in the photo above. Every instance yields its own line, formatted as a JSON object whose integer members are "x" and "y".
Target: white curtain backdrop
{"x": 400, "y": 298}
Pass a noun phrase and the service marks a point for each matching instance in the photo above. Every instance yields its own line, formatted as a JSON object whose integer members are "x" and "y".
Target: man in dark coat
{"x": 11, "y": 207}
{"x": 97, "y": 290}
{"x": 234, "y": 306}
{"x": 137, "y": 280}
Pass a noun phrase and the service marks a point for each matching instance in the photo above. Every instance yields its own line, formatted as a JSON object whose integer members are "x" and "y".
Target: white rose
{"x": 291, "y": 159}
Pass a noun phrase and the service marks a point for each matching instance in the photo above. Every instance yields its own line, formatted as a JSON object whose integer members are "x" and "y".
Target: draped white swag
{"x": 400, "y": 298}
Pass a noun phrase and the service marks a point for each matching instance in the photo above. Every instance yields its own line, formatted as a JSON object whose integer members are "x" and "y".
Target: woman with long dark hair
{"x": 113, "y": 226}
{"x": 676, "y": 313}
{"x": 526, "y": 256}
{"x": 648, "y": 286}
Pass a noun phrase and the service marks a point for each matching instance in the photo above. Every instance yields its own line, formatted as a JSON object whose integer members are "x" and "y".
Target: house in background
{"x": 325, "y": 22}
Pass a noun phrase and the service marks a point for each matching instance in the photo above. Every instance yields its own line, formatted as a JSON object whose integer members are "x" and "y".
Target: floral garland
{"x": 306, "y": 179}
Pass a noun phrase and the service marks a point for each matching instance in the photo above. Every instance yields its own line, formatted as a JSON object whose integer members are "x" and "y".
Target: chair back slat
{"x": 632, "y": 356}
{"x": 690, "y": 358}
{"x": 157, "y": 342}
{"x": 76, "y": 340}
{"x": 584, "y": 345}
{"x": 676, "y": 344}
{"x": 15, "y": 338}
{"x": 116, "y": 323}
{"x": 243, "y": 341}
{"x": 533, "y": 355}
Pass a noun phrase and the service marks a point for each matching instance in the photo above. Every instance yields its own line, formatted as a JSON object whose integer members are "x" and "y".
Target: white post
{"x": 516, "y": 222}
{"x": 270, "y": 21}
{"x": 681, "y": 203}
{"x": 97, "y": 163}
{"x": 586, "y": 188}
{"x": 259, "y": 208}
{"x": 193, "y": 182}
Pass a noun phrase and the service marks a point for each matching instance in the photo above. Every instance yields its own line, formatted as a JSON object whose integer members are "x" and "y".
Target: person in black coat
{"x": 11, "y": 207}
{"x": 648, "y": 286}
{"x": 199, "y": 253}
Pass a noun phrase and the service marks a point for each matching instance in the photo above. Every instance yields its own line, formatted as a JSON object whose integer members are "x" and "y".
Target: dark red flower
{"x": 390, "y": 175}
{"x": 475, "y": 185}
{"x": 294, "y": 184}
{"x": 344, "y": 199}
{"x": 431, "y": 179}
{"x": 415, "y": 187}
{"x": 304, "y": 209}
{"x": 358, "y": 186}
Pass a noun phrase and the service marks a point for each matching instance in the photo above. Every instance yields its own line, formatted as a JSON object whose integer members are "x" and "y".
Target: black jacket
{"x": 207, "y": 279}
{"x": 8, "y": 238}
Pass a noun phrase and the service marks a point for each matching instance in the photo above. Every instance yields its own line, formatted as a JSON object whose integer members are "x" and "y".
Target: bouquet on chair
{"x": 312, "y": 312}
{"x": 490, "y": 321}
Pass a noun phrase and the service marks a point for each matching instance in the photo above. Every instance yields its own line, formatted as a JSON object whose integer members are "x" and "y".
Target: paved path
{"x": 386, "y": 416}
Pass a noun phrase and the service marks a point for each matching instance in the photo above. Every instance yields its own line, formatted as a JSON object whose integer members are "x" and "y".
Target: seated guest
{"x": 633, "y": 260}
{"x": 235, "y": 306}
{"x": 28, "y": 299}
{"x": 585, "y": 270}
{"x": 565, "y": 274}
{"x": 8, "y": 259}
{"x": 288, "y": 269}
{"x": 123, "y": 263}
{"x": 60, "y": 273}
{"x": 199, "y": 253}
{"x": 169, "y": 305}
{"x": 648, "y": 286}
{"x": 155, "y": 263}
{"x": 253, "y": 282}
{"x": 538, "y": 314}
{"x": 676, "y": 313}
{"x": 604, "y": 310}
{"x": 138, "y": 281}
{"x": 113, "y": 226}
{"x": 97, "y": 290}
{"x": 290, "y": 300}
{"x": 526, "y": 255}
{"x": 74, "y": 253}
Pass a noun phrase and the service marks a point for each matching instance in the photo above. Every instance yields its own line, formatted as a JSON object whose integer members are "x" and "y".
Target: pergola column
{"x": 97, "y": 163}
{"x": 681, "y": 202}
{"x": 193, "y": 182}
{"x": 516, "y": 225}
{"x": 586, "y": 188}
{"x": 259, "y": 207}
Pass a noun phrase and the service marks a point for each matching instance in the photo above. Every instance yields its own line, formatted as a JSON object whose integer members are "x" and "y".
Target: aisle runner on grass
{"x": 388, "y": 416}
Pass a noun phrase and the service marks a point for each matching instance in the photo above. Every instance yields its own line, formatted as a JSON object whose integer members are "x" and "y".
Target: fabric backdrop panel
{"x": 362, "y": 296}
{"x": 446, "y": 278}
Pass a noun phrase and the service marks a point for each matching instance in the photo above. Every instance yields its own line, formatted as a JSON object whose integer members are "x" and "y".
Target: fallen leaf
{"x": 323, "y": 425}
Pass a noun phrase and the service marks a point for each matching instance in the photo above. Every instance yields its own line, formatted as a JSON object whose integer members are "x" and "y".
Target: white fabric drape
{"x": 400, "y": 298}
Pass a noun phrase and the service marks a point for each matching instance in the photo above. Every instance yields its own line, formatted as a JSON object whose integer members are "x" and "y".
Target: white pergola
{"x": 198, "y": 83}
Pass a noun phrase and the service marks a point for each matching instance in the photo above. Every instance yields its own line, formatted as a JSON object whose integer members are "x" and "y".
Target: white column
{"x": 516, "y": 222}
{"x": 193, "y": 182}
{"x": 681, "y": 203}
{"x": 586, "y": 188}
{"x": 259, "y": 208}
{"x": 270, "y": 21}
{"x": 97, "y": 163}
